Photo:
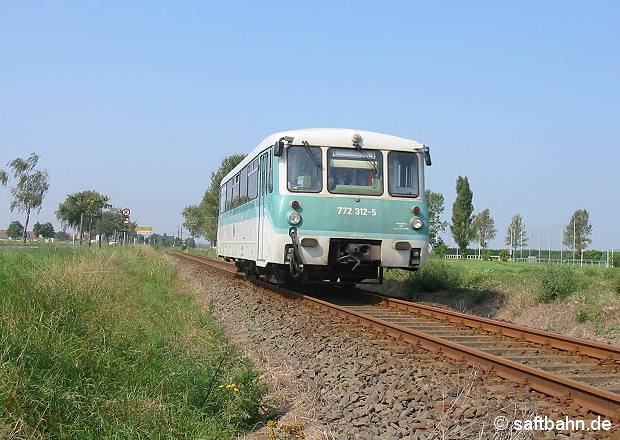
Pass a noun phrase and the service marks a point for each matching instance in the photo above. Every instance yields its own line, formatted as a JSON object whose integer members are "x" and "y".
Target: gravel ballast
{"x": 342, "y": 381}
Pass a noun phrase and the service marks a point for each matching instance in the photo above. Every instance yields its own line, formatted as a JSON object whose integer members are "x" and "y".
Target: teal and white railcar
{"x": 326, "y": 205}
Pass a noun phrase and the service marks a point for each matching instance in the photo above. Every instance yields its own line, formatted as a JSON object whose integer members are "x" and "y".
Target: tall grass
{"x": 100, "y": 344}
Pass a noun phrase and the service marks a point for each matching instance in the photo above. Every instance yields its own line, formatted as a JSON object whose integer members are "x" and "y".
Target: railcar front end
{"x": 343, "y": 205}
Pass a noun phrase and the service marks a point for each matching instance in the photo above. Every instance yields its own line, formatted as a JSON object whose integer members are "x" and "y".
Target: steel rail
{"x": 565, "y": 390}
{"x": 547, "y": 339}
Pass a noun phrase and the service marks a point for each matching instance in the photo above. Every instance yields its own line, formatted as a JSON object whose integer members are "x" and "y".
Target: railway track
{"x": 572, "y": 370}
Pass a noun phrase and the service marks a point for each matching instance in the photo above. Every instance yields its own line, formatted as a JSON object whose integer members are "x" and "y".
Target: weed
{"x": 556, "y": 282}
{"x": 582, "y": 316}
{"x": 281, "y": 431}
{"x": 436, "y": 275}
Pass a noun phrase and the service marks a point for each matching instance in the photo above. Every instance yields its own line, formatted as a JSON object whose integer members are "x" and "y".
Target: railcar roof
{"x": 331, "y": 137}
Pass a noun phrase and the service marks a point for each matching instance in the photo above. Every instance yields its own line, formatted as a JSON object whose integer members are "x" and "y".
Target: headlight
{"x": 294, "y": 218}
{"x": 416, "y": 223}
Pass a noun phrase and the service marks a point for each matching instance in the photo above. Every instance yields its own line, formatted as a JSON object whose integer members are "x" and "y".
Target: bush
{"x": 486, "y": 254}
{"x": 556, "y": 282}
{"x": 504, "y": 254}
{"x": 436, "y": 275}
{"x": 582, "y": 316}
{"x": 440, "y": 250}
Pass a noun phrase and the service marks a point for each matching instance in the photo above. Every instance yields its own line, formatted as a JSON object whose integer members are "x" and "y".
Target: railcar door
{"x": 262, "y": 202}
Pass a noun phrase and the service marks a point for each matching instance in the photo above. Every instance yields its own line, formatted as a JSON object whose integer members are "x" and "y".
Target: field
{"x": 583, "y": 302}
{"x": 109, "y": 344}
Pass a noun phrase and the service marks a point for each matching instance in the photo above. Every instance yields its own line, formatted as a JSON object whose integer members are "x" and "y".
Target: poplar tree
{"x": 516, "y": 235}
{"x": 578, "y": 231}
{"x": 462, "y": 210}
{"x": 483, "y": 228}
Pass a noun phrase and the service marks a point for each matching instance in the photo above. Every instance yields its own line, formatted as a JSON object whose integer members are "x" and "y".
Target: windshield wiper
{"x": 311, "y": 154}
{"x": 371, "y": 162}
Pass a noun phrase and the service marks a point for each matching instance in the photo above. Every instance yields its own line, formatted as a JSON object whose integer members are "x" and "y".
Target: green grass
{"x": 204, "y": 252}
{"x": 107, "y": 344}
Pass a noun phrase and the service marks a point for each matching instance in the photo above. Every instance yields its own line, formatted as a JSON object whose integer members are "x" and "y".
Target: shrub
{"x": 440, "y": 250}
{"x": 582, "y": 316}
{"x": 556, "y": 282}
{"x": 504, "y": 254}
{"x": 486, "y": 254}
{"x": 436, "y": 275}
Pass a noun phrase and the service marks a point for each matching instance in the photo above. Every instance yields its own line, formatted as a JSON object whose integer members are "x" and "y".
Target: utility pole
{"x": 561, "y": 246}
{"x": 574, "y": 241}
{"x": 100, "y": 227}
{"x": 539, "y": 242}
{"x": 549, "y": 244}
{"x": 81, "y": 225}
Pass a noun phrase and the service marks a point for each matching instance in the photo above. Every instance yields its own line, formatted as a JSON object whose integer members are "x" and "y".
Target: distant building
{"x": 4, "y": 235}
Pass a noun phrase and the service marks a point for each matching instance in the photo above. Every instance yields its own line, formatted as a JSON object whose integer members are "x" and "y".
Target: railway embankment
{"x": 574, "y": 301}
{"x": 335, "y": 379}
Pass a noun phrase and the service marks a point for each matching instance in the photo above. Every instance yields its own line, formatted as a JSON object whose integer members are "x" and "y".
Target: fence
{"x": 544, "y": 244}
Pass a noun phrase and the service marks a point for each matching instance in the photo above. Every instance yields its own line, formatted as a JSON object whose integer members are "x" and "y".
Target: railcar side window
{"x": 228, "y": 194}
{"x": 403, "y": 179}
{"x": 355, "y": 172}
{"x": 304, "y": 169}
{"x": 235, "y": 191}
{"x": 253, "y": 179}
{"x": 243, "y": 186}
{"x": 223, "y": 198}
{"x": 270, "y": 172}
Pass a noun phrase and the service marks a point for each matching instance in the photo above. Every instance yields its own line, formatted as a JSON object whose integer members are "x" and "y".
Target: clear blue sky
{"x": 141, "y": 100}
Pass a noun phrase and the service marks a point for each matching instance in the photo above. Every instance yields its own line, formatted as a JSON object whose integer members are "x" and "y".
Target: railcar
{"x": 326, "y": 205}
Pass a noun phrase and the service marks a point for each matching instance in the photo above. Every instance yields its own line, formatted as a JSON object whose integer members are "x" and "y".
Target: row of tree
{"x": 91, "y": 212}
{"x": 85, "y": 211}
{"x": 480, "y": 228}
{"x": 45, "y": 230}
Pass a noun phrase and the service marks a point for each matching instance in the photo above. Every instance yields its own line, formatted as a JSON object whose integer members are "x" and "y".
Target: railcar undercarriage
{"x": 350, "y": 261}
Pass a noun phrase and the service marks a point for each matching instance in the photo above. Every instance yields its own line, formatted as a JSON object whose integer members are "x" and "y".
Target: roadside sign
{"x": 144, "y": 230}
{"x": 126, "y": 212}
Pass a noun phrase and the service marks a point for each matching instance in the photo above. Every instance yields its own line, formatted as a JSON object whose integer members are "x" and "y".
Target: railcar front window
{"x": 355, "y": 172}
{"x": 403, "y": 179}
{"x": 304, "y": 169}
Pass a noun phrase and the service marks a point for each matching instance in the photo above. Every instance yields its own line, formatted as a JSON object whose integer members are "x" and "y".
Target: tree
{"x": 201, "y": 220}
{"x": 111, "y": 222}
{"x": 30, "y": 186}
{"x": 15, "y": 230}
{"x": 516, "y": 235}
{"x": 435, "y": 204}
{"x": 194, "y": 220}
{"x": 87, "y": 203}
{"x": 483, "y": 229}
{"x": 578, "y": 232}
{"x": 45, "y": 230}
{"x": 462, "y": 210}
{"x": 62, "y": 236}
